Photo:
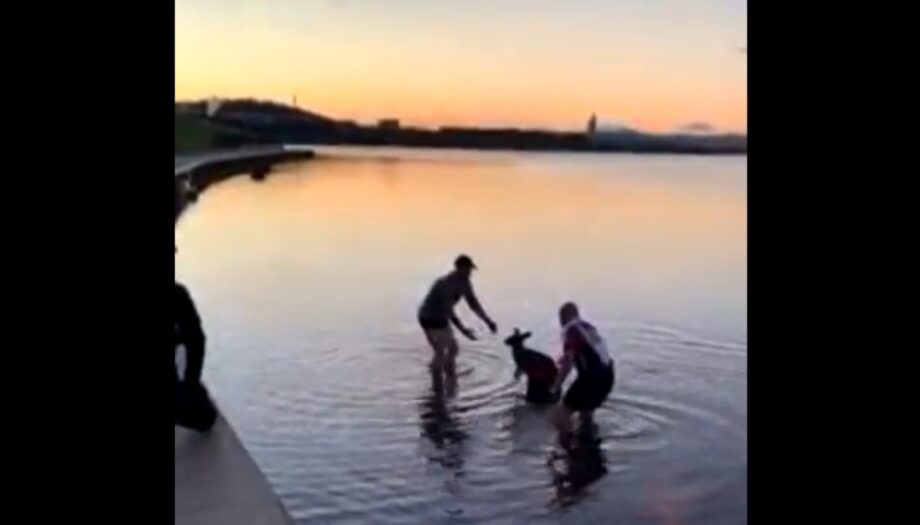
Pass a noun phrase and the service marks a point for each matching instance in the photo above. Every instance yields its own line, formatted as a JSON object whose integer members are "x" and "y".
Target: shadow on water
{"x": 260, "y": 173}
{"x": 528, "y": 427}
{"x": 582, "y": 463}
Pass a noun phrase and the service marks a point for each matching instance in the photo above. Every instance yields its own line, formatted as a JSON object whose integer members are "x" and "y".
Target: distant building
{"x": 592, "y": 125}
{"x": 388, "y": 124}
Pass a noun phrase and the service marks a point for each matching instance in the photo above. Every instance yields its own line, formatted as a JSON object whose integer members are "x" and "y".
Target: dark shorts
{"x": 588, "y": 393}
{"x": 434, "y": 324}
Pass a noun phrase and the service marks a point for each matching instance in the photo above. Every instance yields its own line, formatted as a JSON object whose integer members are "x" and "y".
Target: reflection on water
{"x": 580, "y": 464}
{"x": 440, "y": 424}
{"x": 308, "y": 283}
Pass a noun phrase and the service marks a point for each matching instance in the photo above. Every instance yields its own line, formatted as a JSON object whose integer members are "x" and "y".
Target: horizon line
{"x": 675, "y": 130}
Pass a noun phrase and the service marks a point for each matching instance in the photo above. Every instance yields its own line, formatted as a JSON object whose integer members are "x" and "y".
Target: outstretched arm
{"x": 569, "y": 347}
{"x": 477, "y": 309}
{"x": 565, "y": 366}
{"x": 460, "y": 328}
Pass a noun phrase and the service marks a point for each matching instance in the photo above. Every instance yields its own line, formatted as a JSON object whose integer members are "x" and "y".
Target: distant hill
{"x": 266, "y": 111}
{"x": 250, "y": 111}
{"x": 270, "y": 120}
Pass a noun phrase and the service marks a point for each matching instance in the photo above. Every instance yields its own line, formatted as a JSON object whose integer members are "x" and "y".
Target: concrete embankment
{"x": 217, "y": 481}
{"x": 194, "y": 173}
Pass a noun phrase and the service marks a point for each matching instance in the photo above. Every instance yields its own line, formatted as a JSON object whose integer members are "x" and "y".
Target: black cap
{"x": 464, "y": 261}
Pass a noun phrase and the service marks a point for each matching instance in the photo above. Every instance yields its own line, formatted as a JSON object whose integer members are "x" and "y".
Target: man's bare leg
{"x": 450, "y": 355}
{"x": 436, "y": 341}
{"x": 450, "y": 385}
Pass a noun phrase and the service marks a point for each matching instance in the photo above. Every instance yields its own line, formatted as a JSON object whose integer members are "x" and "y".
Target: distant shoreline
{"x": 269, "y": 122}
{"x": 576, "y": 151}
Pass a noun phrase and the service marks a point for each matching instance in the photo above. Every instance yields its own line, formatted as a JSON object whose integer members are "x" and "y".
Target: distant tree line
{"x": 271, "y": 121}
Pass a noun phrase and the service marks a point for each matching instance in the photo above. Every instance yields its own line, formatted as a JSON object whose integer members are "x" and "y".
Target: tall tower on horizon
{"x": 592, "y": 125}
{"x": 212, "y": 106}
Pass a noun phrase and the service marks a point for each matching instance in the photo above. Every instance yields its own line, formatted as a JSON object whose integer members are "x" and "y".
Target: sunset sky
{"x": 653, "y": 64}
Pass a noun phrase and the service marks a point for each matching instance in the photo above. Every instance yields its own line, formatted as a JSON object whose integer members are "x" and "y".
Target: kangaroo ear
{"x": 525, "y": 335}
{"x": 517, "y": 331}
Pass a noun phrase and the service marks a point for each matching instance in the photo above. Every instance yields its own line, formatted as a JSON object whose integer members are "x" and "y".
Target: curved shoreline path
{"x": 197, "y": 171}
{"x": 216, "y": 480}
{"x": 189, "y": 162}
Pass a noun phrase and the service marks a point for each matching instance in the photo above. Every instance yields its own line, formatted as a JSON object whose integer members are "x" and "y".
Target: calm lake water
{"x": 308, "y": 283}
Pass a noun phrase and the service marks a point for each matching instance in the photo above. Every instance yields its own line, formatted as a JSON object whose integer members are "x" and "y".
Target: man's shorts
{"x": 588, "y": 393}
{"x": 434, "y": 324}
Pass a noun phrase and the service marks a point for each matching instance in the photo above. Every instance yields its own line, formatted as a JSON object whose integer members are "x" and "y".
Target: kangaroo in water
{"x": 540, "y": 369}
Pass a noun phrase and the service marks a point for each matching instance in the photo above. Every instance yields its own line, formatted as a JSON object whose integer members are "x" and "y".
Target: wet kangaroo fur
{"x": 539, "y": 368}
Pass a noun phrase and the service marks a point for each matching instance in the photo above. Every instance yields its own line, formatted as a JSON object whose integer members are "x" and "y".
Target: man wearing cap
{"x": 436, "y": 313}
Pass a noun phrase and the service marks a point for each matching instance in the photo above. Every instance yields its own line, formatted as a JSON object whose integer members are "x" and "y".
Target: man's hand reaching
{"x": 468, "y": 333}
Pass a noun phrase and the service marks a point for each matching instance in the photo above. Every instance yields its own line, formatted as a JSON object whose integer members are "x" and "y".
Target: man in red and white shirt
{"x": 584, "y": 348}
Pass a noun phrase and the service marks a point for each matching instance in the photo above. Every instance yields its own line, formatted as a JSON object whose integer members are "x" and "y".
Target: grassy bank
{"x": 194, "y": 134}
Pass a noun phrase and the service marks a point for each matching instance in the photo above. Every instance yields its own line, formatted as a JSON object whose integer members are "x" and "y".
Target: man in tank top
{"x": 586, "y": 351}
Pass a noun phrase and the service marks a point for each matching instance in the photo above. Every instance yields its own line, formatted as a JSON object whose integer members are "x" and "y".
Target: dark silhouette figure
{"x": 436, "y": 314}
{"x": 179, "y": 197}
{"x": 194, "y": 408}
{"x": 260, "y": 173}
{"x": 540, "y": 369}
{"x": 188, "y": 334}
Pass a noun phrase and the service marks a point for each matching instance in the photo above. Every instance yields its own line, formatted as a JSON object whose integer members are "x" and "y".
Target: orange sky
{"x": 654, "y": 65}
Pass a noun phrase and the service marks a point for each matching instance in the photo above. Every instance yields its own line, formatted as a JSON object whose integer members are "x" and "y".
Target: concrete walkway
{"x": 217, "y": 482}
{"x": 187, "y": 163}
